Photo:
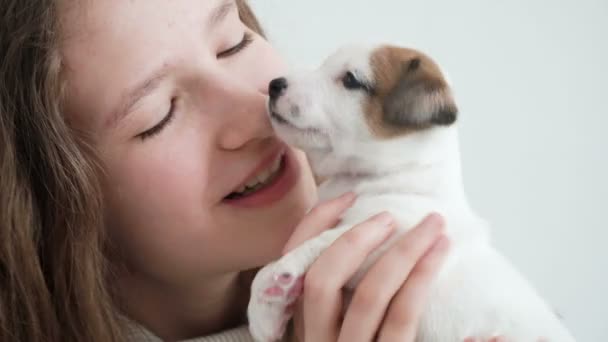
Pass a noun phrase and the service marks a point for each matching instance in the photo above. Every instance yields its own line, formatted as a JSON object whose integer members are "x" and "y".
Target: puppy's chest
{"x": 407, "y": 208}
{"x": 335, "y": 187}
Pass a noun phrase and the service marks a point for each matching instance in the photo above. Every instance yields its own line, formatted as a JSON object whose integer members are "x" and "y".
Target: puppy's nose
{"x": 277, "y": 87}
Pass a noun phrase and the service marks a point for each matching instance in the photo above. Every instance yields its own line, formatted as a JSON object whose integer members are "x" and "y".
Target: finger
{"x": 384, "y": 279}
{"x": 401, "y": 321}
{"x": 324, "y": 281}
{"x": 322, "y": 217}
{"x": 298, "y": 322}
{"x": 497, "y": 339}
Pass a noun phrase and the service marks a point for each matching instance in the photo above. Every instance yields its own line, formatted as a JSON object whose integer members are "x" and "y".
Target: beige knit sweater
{"x": 241, "y": 334}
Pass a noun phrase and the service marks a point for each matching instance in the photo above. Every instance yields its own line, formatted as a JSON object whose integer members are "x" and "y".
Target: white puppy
{"x": 380, "y": 121}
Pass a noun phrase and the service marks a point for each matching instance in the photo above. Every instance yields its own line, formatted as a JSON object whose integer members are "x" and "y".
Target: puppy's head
{"x": 361, "y": 96}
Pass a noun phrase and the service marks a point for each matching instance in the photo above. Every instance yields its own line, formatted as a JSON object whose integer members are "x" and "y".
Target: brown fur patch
{"x": 410, "y": 93}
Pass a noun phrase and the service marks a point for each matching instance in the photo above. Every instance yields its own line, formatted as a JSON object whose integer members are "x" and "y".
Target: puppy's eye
{"x": 350, "y": 81}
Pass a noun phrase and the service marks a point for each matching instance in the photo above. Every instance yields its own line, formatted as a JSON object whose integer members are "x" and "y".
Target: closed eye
{"x": 247, "y": 39}
{"x": 159, "y": 126}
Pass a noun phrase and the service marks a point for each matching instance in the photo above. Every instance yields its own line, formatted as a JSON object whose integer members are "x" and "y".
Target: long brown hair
{"x": 53, "y": 274}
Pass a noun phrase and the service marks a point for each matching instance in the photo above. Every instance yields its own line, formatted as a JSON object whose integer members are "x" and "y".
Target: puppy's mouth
{"x": 281, "y": 120}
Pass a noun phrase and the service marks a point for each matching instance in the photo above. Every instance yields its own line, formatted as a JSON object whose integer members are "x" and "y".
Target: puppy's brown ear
{"x": 420, "y": 99}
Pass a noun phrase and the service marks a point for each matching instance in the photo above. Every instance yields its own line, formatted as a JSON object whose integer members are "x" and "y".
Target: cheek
{"x": 156, "y": 210}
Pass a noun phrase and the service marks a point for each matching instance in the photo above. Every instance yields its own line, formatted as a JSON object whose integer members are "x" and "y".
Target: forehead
{"x": 108, "y": 45}
{"x": 354, "y": 58}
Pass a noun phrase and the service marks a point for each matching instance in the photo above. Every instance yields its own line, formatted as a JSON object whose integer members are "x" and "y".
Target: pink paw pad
{"x": 274, "y": 291}
{"x": 283, "y": 278}
{"x": 285, "y": 286}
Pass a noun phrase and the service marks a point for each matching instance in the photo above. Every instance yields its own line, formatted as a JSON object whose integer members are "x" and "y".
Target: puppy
{"x": 381, "y": 121}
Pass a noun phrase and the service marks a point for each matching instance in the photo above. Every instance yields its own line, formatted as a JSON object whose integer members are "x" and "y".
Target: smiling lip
{"x": 286, "y": 178}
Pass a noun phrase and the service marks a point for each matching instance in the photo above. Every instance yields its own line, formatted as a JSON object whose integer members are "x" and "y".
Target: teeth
{"x": 252, "y": 183}
{"x": 276, "y": 164}
{"x": 260, "y": 178}
{"x": 263, "y": 176}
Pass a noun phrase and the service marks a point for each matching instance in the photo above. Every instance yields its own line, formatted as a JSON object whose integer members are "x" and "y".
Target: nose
{"x": 277, "y": 87}
{"x": 245, "y": 123}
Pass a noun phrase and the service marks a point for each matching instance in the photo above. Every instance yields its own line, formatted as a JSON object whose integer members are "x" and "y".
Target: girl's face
{"x": 173, "y": 94}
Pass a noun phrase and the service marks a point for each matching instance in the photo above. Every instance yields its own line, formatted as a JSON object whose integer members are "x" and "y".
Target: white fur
{"x": 477, "y": 293}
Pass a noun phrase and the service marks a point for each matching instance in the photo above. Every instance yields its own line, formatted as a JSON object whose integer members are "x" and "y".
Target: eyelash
{"x": 247, "y": 39}
{"x": 159, "y": 126}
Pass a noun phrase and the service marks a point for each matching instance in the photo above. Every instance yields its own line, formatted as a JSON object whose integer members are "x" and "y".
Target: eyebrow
{"x": 138, "y": 92}
{"x": 220, "y": 12}
{"x": 147, "y": 86}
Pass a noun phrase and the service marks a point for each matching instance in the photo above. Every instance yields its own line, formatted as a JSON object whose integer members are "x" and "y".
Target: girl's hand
{"x": 390, "y": 298}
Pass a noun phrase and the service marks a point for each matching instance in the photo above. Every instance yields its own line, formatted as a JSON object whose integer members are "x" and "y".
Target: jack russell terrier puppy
{"x": 380, "y": 121}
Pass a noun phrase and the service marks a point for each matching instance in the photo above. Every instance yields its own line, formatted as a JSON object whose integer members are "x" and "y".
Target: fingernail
{"x": 385, "y": 219}
{"x": 434, "y": 221}
{"x": 441, "y": 244}
{"x": 349, "y": 196}
{"x": 498, "y": 339}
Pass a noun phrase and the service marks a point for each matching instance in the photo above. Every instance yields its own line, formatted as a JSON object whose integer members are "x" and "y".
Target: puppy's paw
{"x": 274, "y": 290}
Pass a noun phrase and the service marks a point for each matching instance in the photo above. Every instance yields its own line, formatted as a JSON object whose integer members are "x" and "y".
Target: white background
{"x": 530, "y": 79}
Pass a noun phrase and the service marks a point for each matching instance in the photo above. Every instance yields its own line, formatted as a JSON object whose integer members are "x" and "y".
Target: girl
{"x": 142, "y": 185}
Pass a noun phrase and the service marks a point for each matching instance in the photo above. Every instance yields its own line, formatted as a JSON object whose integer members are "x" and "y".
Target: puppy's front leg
{"x": 279, "y": 284}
